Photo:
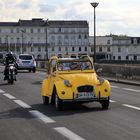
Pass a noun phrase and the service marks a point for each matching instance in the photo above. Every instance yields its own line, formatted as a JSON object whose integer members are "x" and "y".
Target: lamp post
{"x": 94, "y": 4}
{"x": 7, "y": 43}
{"x": 22, "y": 31}
{"x": 46, "y": 31}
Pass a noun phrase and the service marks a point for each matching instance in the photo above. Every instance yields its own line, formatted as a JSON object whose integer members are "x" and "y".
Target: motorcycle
{"x": 11, "y": 70}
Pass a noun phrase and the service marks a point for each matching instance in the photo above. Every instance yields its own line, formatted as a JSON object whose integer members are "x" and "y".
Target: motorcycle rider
{"x": 9, "y": 59}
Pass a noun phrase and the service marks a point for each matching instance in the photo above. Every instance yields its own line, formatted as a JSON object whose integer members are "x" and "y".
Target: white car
{"x": 26, "y": 62}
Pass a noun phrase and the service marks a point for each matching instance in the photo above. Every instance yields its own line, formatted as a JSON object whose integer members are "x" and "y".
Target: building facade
{"x": 44, "y": 38}
{"x": 115, "y": 47}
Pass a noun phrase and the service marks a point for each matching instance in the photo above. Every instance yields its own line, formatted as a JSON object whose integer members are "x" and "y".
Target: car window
{"x": 76, "y": 65}
{"x": 52, "y": 67}
{"x": 25, "y": 57}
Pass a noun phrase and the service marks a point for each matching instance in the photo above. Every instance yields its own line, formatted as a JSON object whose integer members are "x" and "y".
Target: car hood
{"x": 80, "y": 78}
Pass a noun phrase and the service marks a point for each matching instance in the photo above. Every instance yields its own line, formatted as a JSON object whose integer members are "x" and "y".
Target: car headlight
{"x": 101, "y": 80}
{"x": 67, "y": 83}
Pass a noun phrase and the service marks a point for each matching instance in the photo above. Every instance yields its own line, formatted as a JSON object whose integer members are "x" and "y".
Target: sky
{"x": 121, "y": 17}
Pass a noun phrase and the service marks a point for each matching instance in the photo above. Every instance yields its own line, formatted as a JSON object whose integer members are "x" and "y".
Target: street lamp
{"x": 46, "y": 31}
{"x": 7, "y": 43}
{"x": 22, "y": 31}
{"x": 94, "y": 4}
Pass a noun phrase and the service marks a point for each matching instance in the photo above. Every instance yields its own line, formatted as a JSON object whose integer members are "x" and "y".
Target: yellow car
{"x": 74, "y": 80}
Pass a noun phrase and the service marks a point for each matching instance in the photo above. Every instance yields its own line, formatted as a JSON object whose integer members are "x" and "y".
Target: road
{"x": 24, "y": 117}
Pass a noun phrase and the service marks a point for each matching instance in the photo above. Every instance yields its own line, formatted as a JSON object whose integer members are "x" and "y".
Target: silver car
{"x": 26, "y": 62}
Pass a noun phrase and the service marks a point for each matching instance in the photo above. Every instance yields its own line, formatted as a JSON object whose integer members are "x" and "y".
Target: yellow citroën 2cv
{"x": 74, "y": 80}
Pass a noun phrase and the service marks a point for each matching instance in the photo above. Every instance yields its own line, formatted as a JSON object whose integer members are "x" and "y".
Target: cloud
{"x": 23, "y": 5}
{"x": 44, "y": 8}
{"x": 111, "y": 16}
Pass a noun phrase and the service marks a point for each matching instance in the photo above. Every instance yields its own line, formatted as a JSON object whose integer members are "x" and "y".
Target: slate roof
{"x": 52, "y": 23}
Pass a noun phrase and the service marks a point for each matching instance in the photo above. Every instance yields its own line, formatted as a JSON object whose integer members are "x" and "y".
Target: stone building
{"x": 114, "y": 47}
{"x": 44, "y": 38}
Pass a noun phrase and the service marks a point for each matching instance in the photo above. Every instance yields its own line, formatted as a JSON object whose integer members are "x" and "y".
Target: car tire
{"x": 105, "y": 103}
{"x": 34, "y": 70}
{"x": 58, "y": 103}
{"x": 45, "y": 99}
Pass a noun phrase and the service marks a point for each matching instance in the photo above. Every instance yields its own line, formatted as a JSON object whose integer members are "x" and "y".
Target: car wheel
{"x": 58, "y": 103}
{"x": 34, "y": 70}
{"x": 45, "y": 99}
{"x": 105, "y": 103}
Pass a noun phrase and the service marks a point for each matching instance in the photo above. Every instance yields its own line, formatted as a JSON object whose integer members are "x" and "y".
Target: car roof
{"x": 26, "y": 54}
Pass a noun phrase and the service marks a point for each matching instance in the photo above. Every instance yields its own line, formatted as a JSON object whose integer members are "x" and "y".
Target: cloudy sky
{"x": 112, "y": 16}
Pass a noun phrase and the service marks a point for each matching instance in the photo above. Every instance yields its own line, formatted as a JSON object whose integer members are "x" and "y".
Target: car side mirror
{"x": 53, "y": 74}
{"x": 99, "y": 71}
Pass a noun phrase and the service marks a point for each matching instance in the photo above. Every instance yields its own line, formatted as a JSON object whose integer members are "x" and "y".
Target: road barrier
{"x": 120, "y": 71}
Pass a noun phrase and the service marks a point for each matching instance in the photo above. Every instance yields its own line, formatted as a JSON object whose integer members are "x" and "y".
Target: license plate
{"x": 85, "y": 95}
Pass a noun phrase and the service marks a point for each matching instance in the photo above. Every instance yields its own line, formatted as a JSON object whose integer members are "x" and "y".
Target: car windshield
{"x": 25, "y": 57}
{"x": 74, "y": 65}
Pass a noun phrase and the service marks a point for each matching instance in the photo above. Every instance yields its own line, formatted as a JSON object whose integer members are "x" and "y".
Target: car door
{"x": 52, "y": 75}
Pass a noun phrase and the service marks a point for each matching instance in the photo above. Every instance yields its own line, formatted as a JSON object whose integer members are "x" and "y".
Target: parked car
{"x": 26, "y": 62}
{"x": 74, "y": 80}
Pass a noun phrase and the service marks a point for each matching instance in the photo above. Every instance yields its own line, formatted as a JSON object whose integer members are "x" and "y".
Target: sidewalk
{"x": 124, "y": 81}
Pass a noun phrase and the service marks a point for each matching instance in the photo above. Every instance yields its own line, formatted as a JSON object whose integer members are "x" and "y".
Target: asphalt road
{"x": 24, "y": 117}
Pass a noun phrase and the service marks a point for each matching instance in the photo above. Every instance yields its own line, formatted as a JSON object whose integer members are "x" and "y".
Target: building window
{"x": 0, "y": 40}
{"x": 31, "y": 30}
{"x": 100, "y": 49}
{"x": 113, "y": 57}
{"x": 85, "y": 49}
{"x": 17, "y": 30}
{"x": 119, "y": 57}
{"x": 38, "y": 30}
{"x": 18, "y": 40}
{"x": 66, "y": 49}
{"x": 108, "y": 41}
{"x": 38, "y": 56}
{"x": 32, "y": 49}
{"x": 119, "y": 49}
{"x": 52, "y": 49}
{"x": 85, "y": 36}
{"x": 79, "y": 49}
{"x": 32, "y": 40}
{"x": 108, "y": 49}
{"x": 12, "y": 40}
{"x": 66, "y": 37}
{"x": 135, "y": 57}
{"x": 79, "y": 37}
{"x": 127, "y": 57}
{"x": 60, "y": 49}
{"x": 73, "y": 49}
{"x": 39, "y": 49}
{"x": 12, "y": 30}
{"x": 59, "y": 29}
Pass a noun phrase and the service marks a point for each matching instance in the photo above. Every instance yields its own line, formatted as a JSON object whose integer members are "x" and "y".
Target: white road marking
{"x": 131, "y": 89}
{"x": 41, "y": 116}
{"x": 9, "y": 96}
{"x": 22, "y": 104}
{"x": 114, "y": 86}
{"x": 130, "y": 106}
{"x": 112, "y": 101}
{"x": 67, "y": 133}
{"x": 1, "y": 91}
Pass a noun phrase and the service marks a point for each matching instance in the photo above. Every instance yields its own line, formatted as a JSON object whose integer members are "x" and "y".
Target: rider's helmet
{"x": 9, "y": 54}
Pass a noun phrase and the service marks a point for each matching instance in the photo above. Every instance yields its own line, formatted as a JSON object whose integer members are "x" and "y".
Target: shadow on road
{"x": 68, "y": 109}
{"x": 15, "y": 113}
